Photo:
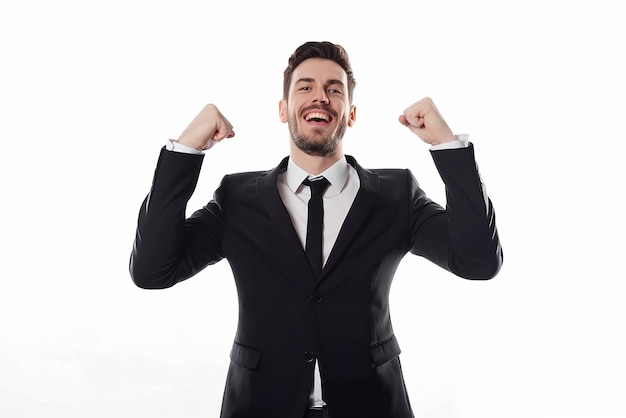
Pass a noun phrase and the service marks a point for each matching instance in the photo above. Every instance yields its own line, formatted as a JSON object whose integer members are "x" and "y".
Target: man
{"x": 314, "y": 336}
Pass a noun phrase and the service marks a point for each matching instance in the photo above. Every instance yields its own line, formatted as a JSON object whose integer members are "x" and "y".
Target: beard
{"x": 320, "y": 142}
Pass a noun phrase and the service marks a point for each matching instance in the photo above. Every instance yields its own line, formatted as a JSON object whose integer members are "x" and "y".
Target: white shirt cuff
{"x": 175, "y": 146}
{"x": 462, "y": 141}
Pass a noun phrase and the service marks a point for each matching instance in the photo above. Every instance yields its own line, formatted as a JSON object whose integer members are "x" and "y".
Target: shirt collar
{"x": 336, "y": 174}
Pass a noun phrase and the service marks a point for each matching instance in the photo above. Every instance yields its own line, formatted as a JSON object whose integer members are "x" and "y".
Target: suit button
{"x": 316, "y": 299}
{"x": 309, "y": 356}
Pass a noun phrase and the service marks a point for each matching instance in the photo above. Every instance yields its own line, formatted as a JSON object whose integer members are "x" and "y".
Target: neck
{"x": 314, "y": 164}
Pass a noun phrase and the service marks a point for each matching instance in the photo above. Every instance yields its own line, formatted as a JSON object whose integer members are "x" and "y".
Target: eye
{"x": 335, "y": 91}
{"x": 304, "y": 88}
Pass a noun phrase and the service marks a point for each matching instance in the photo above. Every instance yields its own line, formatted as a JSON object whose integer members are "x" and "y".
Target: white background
{"x": 90, "y": 91}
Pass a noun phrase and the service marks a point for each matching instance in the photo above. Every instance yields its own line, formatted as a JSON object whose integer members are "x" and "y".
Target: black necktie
{"x": 315, "y": 223}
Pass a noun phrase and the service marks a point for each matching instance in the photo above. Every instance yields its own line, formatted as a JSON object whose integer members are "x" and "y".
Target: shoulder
{"x": 241, "y": 181}
{"x": 245, "y": 177}
{"x": 386, "y": 173}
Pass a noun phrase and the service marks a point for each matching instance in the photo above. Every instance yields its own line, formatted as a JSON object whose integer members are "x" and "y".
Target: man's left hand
{"x": 424, "y": 119}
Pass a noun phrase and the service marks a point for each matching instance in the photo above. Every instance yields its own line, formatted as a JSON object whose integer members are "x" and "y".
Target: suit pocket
{"x": 244, "y": 356}
{"x": 384, "y": 351}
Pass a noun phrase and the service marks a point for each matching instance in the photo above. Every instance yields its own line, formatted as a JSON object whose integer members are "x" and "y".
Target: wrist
{"x": 448, "y": 138}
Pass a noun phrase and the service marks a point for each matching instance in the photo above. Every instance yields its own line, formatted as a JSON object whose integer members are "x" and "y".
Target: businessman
{"x": 313, "y": 245}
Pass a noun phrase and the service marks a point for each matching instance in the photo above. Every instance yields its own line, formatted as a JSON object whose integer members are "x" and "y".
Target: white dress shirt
{"x": 338, "y": 198}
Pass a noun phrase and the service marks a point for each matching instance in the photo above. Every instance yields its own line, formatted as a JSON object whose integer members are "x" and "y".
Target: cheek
{"x": 292, "y": 111}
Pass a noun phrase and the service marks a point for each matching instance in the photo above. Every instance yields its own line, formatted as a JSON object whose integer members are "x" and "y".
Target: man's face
{"x": 318, "y": 108}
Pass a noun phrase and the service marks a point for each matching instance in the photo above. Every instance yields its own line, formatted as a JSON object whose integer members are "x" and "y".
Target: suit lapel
{"x": 358, "y": 213}
{"x": 267, "y": 192}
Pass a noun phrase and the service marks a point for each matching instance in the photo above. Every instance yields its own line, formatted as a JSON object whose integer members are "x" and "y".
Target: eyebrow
{"x": 311, "y": 80}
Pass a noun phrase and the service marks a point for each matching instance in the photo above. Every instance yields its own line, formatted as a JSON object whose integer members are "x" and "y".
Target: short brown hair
{"x": 325, "y": 50}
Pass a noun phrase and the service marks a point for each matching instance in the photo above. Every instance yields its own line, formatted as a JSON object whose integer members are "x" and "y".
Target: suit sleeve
{"x": 463, "y": 238}
{"x": 169, "y": 248}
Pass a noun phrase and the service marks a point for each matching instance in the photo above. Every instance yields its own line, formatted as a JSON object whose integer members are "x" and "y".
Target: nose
{"x": 321, "y": 97}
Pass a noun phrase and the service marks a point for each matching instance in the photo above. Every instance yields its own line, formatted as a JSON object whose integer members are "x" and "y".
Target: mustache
{"x": 326, "y": 108}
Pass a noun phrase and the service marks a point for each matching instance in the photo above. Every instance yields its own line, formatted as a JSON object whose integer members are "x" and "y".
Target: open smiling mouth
{"x": 318, "y": 118}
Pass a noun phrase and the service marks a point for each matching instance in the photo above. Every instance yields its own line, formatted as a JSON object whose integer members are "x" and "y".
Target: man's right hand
{"x": 209, "y": 125}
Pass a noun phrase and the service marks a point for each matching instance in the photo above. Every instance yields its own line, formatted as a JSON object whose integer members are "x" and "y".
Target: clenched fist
{"x": 424, "y": 119}
{"x": 209, "y": 125}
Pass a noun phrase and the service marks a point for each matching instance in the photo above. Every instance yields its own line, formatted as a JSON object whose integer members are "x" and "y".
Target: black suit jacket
{"x": 288, "y": 318}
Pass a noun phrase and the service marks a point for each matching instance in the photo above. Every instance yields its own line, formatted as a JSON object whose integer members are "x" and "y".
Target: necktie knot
{"x": 318, "y": 186}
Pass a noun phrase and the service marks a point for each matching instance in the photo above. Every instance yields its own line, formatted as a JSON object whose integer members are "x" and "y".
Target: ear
{"x": 282, "y": 111}
{"x": 352, "y": 116}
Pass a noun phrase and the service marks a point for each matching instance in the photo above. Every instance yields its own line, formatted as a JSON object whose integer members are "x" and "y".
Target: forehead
{"x": 319, "y": 69}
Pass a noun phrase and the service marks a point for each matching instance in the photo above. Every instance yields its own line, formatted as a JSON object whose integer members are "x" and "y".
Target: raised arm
{"x": 169, "y": 247}
{"x": 462, "y": 239}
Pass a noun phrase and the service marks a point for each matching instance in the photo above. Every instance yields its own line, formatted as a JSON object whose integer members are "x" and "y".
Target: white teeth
{"x": 317, "y": 116}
